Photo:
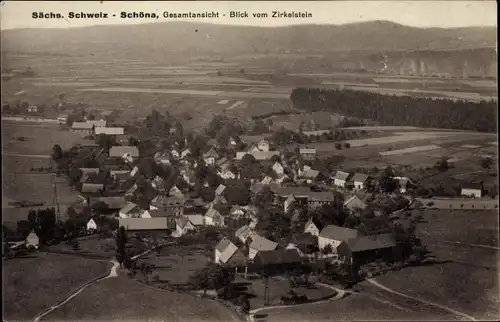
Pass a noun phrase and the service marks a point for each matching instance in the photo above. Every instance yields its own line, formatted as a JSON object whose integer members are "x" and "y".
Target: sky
{"x": 446, "y": 14}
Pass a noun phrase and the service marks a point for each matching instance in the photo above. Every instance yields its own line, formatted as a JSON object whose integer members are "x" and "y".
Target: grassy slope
{"x": 121, "y": 299}
{"x": 33, "y": 284}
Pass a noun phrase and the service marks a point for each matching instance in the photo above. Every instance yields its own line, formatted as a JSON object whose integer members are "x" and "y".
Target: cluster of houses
{"x": 372, "y": 240}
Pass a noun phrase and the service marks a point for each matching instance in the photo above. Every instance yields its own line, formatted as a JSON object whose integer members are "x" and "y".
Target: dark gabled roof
{"x": 111, "y": 202}
{"x": 359, "y": 177}
{"x": 278, "y": 257}
{"x": 338, "y": 233}
{"x": 157, "y": 213}
{"x": 473, "y": 185}
{"x": 366, "y": 243}
{"x": 375, "y": 226}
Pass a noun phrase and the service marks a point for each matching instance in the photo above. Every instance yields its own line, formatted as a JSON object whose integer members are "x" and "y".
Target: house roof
{"x": 120, "y": 151}
{"x": 365, "y": 243}
{"x": 128, "y": 207}
{"x": 82, "y": 126}
{"x": 92, "y": 187}
{"x": 244, "y": 232}
{"x": 160, "y": 223}
{"x": 221, "y": 161}
{"x": 355, "y": 203}
{"x": 109, "y": 130}
{"x": 196, "y": 219}
{"x": 473, "y": 186}
{"x": 158, "y": 213}
{"x": 89, "y": 170}
{"x": 211, "y": 153}
{"x": 375, "y": 226}
{"x": 212, "y": 212}
{"x": 111, "y": 202}
{"x": 307, "y": 151}
{"x": 341, "y": 175}
{"x": 278, "y": 257}
{"x": 359, "y": 177}
{"x": 226, "y": 249}
{"x": 310, "y": 173}
{"x": 220, "y": 189}
{"x": 97, "y": 123}
{"x": 164, "y": 201}
{"x": 338, "y": 233}
{"x": 132, "y": 189}
{"x": 262, "y": 244}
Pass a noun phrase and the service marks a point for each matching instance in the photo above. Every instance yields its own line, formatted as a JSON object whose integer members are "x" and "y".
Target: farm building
{"x": 161, "y": 213}
{"x": 227, "y": 253}
{"x": 474, "y": 190}
{"x": 144, "y": 224}
{"x": 278, "y": 261}
{"x": 89, "y": 171}
{"x": 366, "y": 248}
{"x": 375, "y": 226}
{"x": 122, "y": 151}
{"x": 92, "y": 188}
{"x": 360, "y": 181}
{"x": 109, "y": 130}
{"x": 333, "y": 236}
{"x": 341, "y": 179}
{"x": 82, "y": 127}
{"x": 252, "y": 148}
{"x": 260, "y": 244}
{"x": 163, "y": 202}
{"x": 196, "y": 219}
{"x": 185, "y": 153}
{"x": 404, "y": 183}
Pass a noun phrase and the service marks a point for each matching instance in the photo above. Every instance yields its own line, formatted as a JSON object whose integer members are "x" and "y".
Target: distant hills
{"x": 175, "y": 42}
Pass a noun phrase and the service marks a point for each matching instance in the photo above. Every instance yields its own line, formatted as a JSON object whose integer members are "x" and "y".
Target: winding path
{"x": 112, "y": 273}
{"x": 442, "y": 307}
{"x": 340, "y": 294}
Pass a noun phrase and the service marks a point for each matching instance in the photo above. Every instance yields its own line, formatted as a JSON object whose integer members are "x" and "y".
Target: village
{"x": 255, "y": 206}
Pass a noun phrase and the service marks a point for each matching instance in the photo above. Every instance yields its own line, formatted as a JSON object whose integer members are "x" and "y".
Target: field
{"x": 465, "y": 277}
{"x": 34, "y": 283}
{"x": 176, "y": 264}
{"x": 93, "y": 245}
{"x": 123, "y": 299}
{"x": 18, "y": 182}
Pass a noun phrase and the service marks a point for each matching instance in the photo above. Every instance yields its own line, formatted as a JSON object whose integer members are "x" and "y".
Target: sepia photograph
{"x": 253, "y": 161}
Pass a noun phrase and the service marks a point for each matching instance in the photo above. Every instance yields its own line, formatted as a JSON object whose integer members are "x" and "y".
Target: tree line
{"x": 400, "y": 110}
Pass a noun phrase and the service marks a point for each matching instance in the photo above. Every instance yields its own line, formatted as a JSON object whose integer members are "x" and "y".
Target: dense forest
{"x": 400, "y": 110}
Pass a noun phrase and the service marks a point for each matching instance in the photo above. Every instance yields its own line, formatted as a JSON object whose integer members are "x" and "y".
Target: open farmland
{"x": 123, "y": 299}
{"x": 465, "y": 277}
{"x": 411, "y": 150}
{"x": 35, "y": 283}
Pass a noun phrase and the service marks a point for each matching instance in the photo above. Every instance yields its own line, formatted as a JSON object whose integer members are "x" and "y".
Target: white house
{"x": 263, "y": 145}
{"x": 91, "y": 225}
{"x": 474, "y": 190}
{"x": 175, "y": 192}
{"x": 210, "y": 156}
{"x": 174, "y": 153}
{"x": 313, "y": 227}
{"x": 214, "y": 218}
{"x": 403, "y": 183}
{"x": 244, "y": 233}
{"x": 334, "y": 235}
{"x": 340, "y": 179}
{"x": 227, "y": 253}
{"x": 260, "y": 244}
{"x": 183, "y": 226}
{"x": 32, "y": 240}
{"x": 278, "y": 168}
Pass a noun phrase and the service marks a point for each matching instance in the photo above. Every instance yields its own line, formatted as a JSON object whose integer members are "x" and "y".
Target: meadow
{"x": 34, "y": 283}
